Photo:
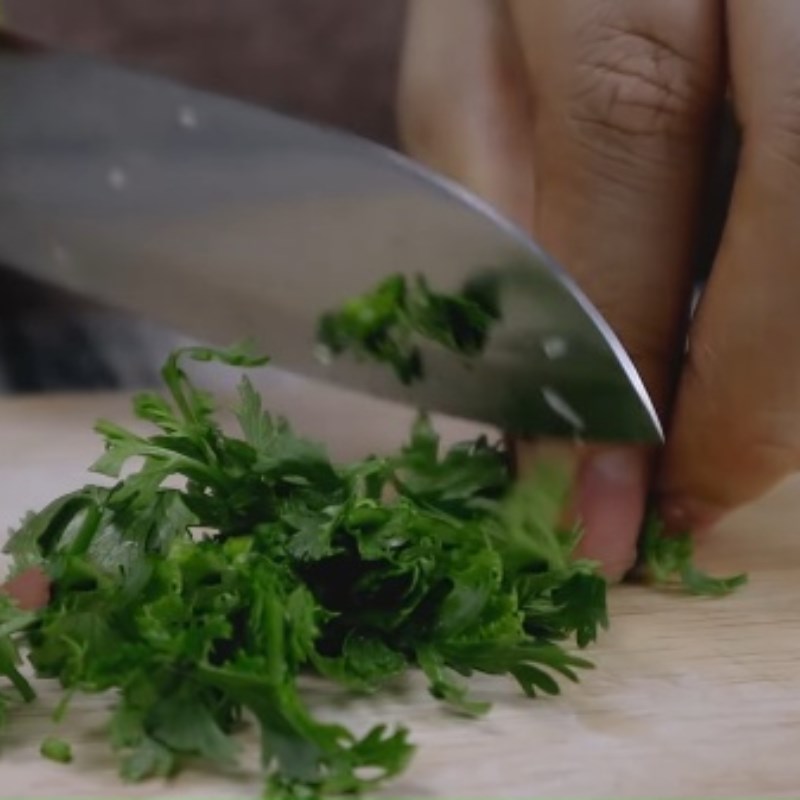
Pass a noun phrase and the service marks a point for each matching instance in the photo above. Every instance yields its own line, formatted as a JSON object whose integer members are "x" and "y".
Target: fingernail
{"x": 687, "y": 515}
{"x": 610, "y": 504}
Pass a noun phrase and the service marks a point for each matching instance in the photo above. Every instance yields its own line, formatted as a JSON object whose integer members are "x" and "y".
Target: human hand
{"x": 590, "y": 123}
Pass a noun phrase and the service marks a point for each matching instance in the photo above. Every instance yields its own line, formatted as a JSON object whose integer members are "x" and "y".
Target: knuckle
{"x": 636, "y": 87}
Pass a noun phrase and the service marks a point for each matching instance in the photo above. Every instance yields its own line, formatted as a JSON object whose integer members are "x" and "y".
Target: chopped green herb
{"x": 388, "y": 323}
{"x": 669, "y": 560}
{"x": 203, "y": 583}
{"x": 13, "y": 622}
{"x": 56, "y": 750}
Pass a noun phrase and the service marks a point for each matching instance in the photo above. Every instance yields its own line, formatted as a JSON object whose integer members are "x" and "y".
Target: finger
{"x": 463, "y": 102}
{"x": 736, "y": 431}
{"x": 624, "y": 92}
{"x": 613, "y": 141}
{"x": 465, "y": 109}
{"x": 612, "y": 484}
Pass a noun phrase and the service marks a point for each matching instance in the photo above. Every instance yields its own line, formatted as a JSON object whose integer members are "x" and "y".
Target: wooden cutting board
{"x": 690, "y": 698}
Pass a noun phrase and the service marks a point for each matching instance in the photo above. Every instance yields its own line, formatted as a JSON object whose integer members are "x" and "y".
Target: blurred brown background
{"x": 332, "y": 61}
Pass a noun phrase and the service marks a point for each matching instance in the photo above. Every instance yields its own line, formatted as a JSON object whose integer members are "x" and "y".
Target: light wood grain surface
{"x": 690, "y": 698}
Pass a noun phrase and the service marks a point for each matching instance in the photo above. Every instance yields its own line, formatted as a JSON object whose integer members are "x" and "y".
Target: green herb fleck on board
{"x": 56, "y": 750}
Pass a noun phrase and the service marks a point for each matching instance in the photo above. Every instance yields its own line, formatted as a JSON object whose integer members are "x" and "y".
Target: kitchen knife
{"x": 228, "y": 221}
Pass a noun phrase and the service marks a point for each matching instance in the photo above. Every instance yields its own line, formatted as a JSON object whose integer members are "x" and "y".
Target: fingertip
{"x": 608, "y": 497}
{"x": 610, "y": 505}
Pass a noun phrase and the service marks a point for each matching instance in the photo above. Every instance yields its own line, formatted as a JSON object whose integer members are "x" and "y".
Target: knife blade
{"x": 228, "y": 221}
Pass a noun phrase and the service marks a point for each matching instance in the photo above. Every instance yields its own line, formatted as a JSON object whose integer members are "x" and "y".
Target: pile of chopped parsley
{"x": 218, "y": 566}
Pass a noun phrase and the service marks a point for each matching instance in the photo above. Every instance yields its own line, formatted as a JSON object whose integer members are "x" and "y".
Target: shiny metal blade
{"x": 227, "y": 221}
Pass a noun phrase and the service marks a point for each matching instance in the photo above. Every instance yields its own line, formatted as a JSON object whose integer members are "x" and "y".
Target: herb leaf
{"x": 669, "y": 559}
{"x": 56, "y": 750}
{"x": 388, "y": 323}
